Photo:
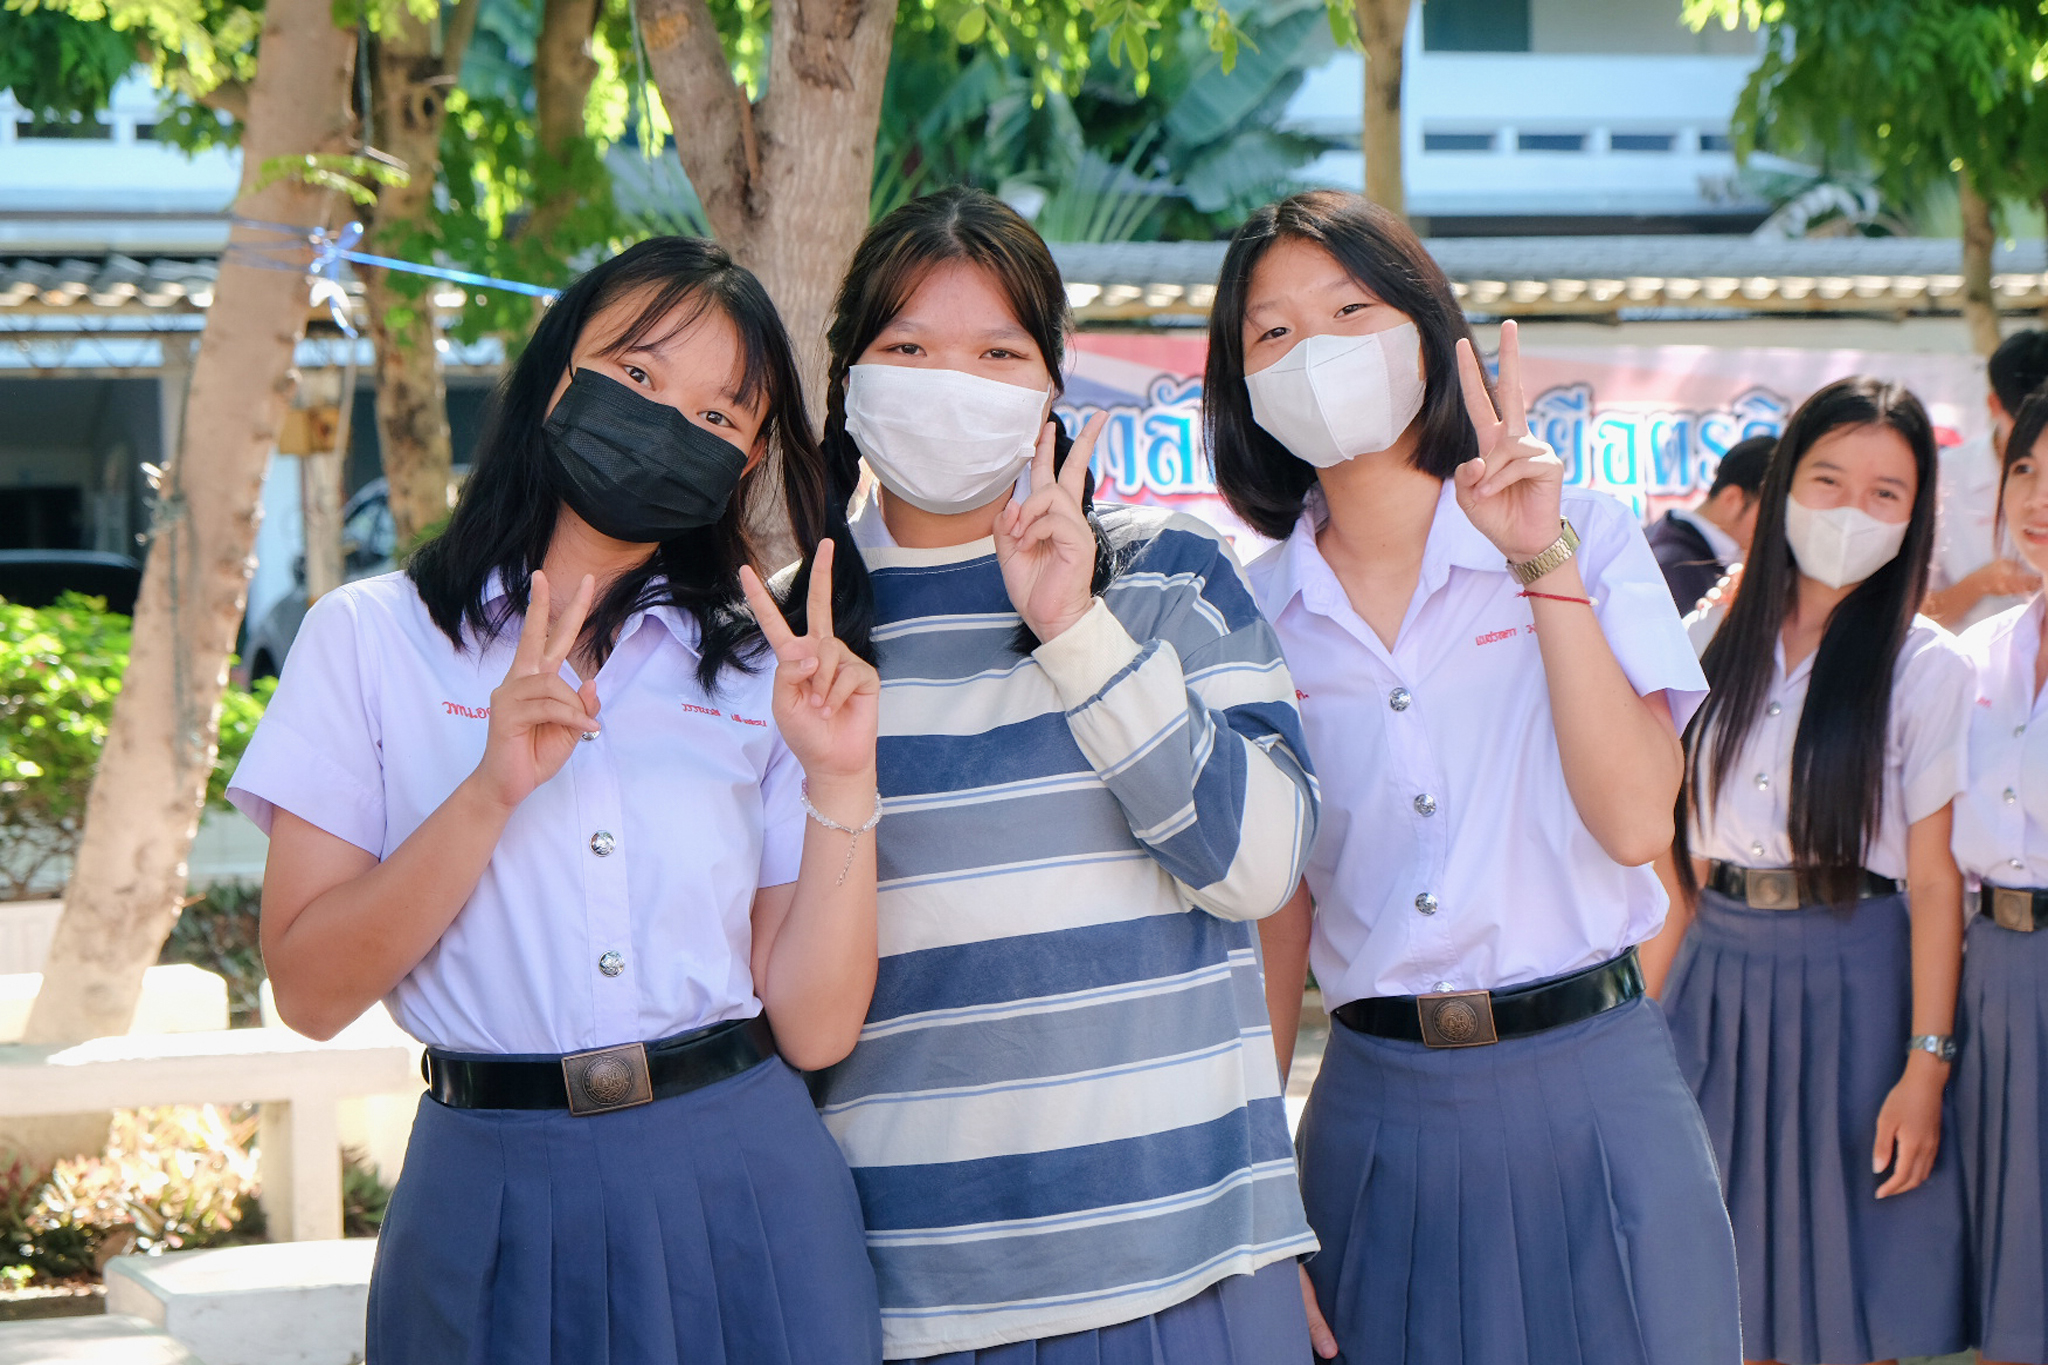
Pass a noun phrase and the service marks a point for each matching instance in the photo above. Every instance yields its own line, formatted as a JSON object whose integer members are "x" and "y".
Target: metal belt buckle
{"x": 1771, "y": 888}
{"x": 2012, "y": 909}
{"x": 607, "y": 1079}
{"x": 1457, "y": 1019}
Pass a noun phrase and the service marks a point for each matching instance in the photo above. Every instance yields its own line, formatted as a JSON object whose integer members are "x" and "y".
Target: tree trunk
{"x": 2044, "y": 242}
{"x": 1383, "y": 28}
{"x": 563, "y": 71}
{"x": 151, "y": 783}
{"x": 412, "y": 69}
{"x": 785, "y": 181}
{"x": 1980, "y": 305}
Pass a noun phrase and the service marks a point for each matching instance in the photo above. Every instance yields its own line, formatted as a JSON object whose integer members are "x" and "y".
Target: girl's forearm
{"x": 349, "y": 946}
{"x": 1283, "y": 945}
{"x": 819, "y": 976}
{"x": 1935, "y": 899}
{"x": 1622, "y": 761}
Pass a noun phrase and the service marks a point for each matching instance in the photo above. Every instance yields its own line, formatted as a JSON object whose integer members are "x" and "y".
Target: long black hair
{"x": 953, "y": 224}
{"x": 1838, "y": 754}
{"x": 505, "y": 518}
{"x": 1261, "y": 479}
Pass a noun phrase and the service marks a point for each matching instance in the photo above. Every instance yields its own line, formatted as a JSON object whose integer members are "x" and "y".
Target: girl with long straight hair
{"x": 2001, "y": 845}
{"x": 1499, "y": 1156}
{"x": 1817, "y": 919}
{"x": 1062, "y": 1114}
{"x": 541, "y": 796}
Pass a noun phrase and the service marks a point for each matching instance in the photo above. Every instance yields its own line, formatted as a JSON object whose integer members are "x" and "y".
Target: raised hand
{"x": 825, "y": 695}
{"x": 537, "y": 719}
{"x": 1044, "y": 544}
{"x": 1512, "y": 491}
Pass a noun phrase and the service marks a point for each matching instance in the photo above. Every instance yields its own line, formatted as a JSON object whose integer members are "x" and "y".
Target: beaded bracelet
{"x": 803, "y": 794}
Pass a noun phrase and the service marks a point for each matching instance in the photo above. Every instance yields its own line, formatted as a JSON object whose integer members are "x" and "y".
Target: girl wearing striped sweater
{"x": 1062, "y": 1116}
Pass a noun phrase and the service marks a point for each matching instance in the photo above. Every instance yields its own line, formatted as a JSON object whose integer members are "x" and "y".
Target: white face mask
{"x": 942, "y": 440}
{"x": 1333, "y": 398}
{"x": 1840, "y": 545}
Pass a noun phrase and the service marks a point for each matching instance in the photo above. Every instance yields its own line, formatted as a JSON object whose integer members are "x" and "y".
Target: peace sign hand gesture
{"x": 1512, "y": 491}
{"x": 1044, "y": 544}
{"x": 825, "y": 695}
{"x": 537, "y": 719}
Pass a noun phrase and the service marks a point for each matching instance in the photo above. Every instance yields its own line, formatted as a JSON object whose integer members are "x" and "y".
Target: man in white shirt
{"x": 1972, "y": 579}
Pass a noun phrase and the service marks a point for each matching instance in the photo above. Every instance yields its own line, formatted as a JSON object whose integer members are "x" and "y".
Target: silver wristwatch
{"x": 1938, "y": 1045}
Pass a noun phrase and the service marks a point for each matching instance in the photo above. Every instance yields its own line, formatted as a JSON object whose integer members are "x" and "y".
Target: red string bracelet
{"x": 1555, "y": 597}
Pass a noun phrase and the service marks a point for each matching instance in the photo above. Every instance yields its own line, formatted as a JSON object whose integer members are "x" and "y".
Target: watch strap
{"x": 1940, "y": 1046}
{"x": 1563, "y": 548}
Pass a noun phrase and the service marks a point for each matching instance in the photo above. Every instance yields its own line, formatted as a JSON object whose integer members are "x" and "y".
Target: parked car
{"x": 369, "y": 546}
{"x": 37, "y": 578}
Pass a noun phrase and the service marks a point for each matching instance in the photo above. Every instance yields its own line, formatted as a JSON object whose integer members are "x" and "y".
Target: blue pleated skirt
{"x": 718, "y": 1227}
{"x": 1543, "y": 1201}
{"x": 1791, "y": 1028}
{"x": 2001, "y": 1099}
{"x": 1253, "y": 1319}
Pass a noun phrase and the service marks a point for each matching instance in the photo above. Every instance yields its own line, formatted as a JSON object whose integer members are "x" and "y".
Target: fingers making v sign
{"x": 825, "y": 695}
{"x": 537, "y": 719}
{"x": 1511, "y": 492}
{"x": 1045, "y": 544}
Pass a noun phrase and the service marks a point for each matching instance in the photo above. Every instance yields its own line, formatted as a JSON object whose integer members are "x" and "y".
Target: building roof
{"x": 1173, "y": 283}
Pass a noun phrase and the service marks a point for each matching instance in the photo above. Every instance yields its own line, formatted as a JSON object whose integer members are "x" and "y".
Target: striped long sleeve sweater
{"x": 1063, "y": 1112}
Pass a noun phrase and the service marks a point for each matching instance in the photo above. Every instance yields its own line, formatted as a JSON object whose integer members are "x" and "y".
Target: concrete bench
{"x": 299, "y": 1084}
{"x": 296, "y": 1304}
{"x": 90, "y": 1341}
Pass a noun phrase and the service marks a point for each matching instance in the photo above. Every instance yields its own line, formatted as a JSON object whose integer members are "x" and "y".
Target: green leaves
{"x": 354, "y": 176}
{"x": 59, "y": 67}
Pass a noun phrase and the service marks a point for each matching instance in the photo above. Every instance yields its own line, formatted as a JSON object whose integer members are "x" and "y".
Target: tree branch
{"x": 230, "y": 98}
{"x": 456, "y": 33}
{"x": 716, "y": 137}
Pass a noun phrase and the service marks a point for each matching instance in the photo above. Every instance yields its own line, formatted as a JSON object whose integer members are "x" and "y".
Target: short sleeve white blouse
{"x": 1932, "y": 687}
{"x": 1450, "y": 855}
{"x": 642, "y": 855}
{"x": 2002, "y": 816}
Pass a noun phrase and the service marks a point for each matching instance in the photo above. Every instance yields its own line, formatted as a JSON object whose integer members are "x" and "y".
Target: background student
{"x": 1695, "y": 546}
{"x": 1975, "y": 575}
{"x": 2001, "y": 844}
{"x": 589, "y": 851}
{"x": 1489, "y": 669}
{"x": 1813, "y": 998}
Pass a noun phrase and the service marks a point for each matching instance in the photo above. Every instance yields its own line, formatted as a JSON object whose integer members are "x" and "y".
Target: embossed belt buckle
{"x": 2012, "y": 909}
{"x": 1457, "y": 1019}
{"x": 1771, "y": 889}
{"x": 607, "y": 1079}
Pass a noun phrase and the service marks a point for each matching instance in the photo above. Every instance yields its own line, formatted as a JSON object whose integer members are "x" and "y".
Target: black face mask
{"x": 635, "y": 469}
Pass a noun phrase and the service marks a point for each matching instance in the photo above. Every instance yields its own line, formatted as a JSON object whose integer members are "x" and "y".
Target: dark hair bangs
{"x": 1838, "y": 752}
{"x": 1261, "y": 479}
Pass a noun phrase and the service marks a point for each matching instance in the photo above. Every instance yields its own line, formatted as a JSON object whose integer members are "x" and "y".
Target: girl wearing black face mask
{"x": 545, "y": 797}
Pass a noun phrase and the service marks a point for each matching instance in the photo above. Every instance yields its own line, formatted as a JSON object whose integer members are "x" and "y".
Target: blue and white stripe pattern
{"x": 1063, "y": 1112}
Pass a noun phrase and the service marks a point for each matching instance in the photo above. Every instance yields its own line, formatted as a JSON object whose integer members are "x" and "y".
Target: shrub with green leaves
{"x": 60, "y": 670}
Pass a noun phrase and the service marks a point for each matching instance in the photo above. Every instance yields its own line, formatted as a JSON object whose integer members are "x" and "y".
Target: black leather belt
{"x": 605, "y": 1079}
{"x": 1475, "y": 1018}
{"x": 2019, "y": 908}
{"x": 1778, "y": 888}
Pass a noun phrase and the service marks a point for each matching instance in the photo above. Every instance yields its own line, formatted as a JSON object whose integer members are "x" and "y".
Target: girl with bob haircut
{"x": 541, "y": 796}
{"x": 2002, "y": 1018}
{"x": 1067, "y": 1134}
{"x": 1817, "y": 914}
{"x": 1491, "y": 675}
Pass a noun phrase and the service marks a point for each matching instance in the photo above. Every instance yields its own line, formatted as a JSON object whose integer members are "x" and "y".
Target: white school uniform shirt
{"x": 2002, "y": 815}
{"x": 1449, "y": 854}
{"x": 1745, "y": 821}
{"x": 1966, "y": 523}
{"x": 649, "y": 843}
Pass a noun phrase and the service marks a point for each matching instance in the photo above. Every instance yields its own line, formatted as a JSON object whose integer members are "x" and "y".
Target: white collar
{"x": 1724, "y": 546}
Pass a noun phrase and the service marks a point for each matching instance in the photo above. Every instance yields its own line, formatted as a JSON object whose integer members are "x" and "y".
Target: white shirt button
{"x": 2016, "y": 863}
{"x": 1763, "y": 782}
{"x": 602, "y": 843}
{"x": 1425, "y": 804}
{"x": 2011, "y": 796}
{"x": 1442, "y": 986}
{"x": 1773, "y": 709}
{"x": 2018, "y": 730}
{"x": 1399, "y": 698}
{"x": 611, "y": 964}
{"x": 1426, "y": 903}
{"x": 1756, "y": 850}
